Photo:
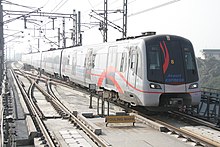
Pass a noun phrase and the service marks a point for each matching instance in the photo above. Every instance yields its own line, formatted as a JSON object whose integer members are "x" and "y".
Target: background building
{"x": 208, "y": 53}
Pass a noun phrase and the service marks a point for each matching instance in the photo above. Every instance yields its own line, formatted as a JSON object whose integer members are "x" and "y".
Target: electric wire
{"x": 61, "y": 6}
{"x": 13, "y": 19}
{"x": 45, "y": 3}
{"x": 58, "y": 6}
{"x": 143, "y": 11}
{"x": 62, "y": 3}
{"x": 55, "y": 9}
{"x": 149, "y": 9}
{"x": 90, "y": 4}
{"x": 10, "y": 3}
{"x": 117, "y": 27}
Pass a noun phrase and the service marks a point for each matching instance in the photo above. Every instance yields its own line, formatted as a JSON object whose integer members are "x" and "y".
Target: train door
{"x": 73, "y": 71}
{"x": 111, "y": 65}
{"x": 88, "y": 65}
{"x": 60, "y": 64}
{"x": 132, "y": 67}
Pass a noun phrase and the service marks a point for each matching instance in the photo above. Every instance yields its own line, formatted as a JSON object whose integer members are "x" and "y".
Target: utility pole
{"x": 79, "y": 29}
{"x": 38, "y": 40}
{"x": 103, "y": 25}
{"x": 105, "y": 35}
{"x": 125, "y": 16}
{"x": 74, "y": 33}
{"x": 1, "y": 45}
{"x": 58, "y": 38}
{"x": 64, "y": 36}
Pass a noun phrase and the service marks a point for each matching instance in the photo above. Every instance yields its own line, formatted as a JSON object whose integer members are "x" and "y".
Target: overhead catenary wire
{"x": 137, "y": 13}
{"x": 143, "y": 11}
{"x": 90, "y": 4}
{"x": 55, "y": 9}
{"x": 10, "y": 3}
{"x": 63, "y": 2}
{"x": 45, "y": 3}
{"x": 156, "y": 7}
{"x": 88, "y": 10}
{"x": 37, "y": 13}
{"x": 10, "y": 20}
{"x": 149, "y": 9}
{"x": 33, "y": 8}
{"x": 117, "y": 27}
{"x": 61, "y": 6}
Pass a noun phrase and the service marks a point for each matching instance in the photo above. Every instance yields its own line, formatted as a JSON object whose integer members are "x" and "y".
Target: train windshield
{"x": 171, "y": 62}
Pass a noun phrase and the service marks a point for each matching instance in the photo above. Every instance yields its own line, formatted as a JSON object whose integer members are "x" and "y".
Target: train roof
{"x": 152, "y": 36}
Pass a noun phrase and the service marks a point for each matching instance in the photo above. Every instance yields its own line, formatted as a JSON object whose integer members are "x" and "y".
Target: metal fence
{"x": 209, "y": 107}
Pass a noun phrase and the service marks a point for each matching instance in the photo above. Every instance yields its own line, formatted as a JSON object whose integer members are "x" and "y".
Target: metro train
{"x": 147, "y": 70}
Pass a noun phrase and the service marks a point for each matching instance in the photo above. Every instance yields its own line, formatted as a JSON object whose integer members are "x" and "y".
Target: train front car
{"x": 172, "y": 74}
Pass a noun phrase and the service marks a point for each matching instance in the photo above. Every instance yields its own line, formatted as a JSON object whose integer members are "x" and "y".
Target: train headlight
{"x": 155, "y": 86}
{"x": 193, "y": 86}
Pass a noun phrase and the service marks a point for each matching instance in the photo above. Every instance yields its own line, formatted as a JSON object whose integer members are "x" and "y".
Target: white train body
{"x": 150, "y": 71}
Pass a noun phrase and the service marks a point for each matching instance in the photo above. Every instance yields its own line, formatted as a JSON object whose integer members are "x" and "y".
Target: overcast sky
{"x": 197, "y": 20}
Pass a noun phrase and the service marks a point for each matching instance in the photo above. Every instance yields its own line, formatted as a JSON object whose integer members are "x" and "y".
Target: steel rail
{"x": 197, "y": 120}
{"x": 198, "y": 139}
{"x": 2, "y": 121}
{"x": 35, "y": 114}
{"x": 73, "y": 118}
{"x": 58, "y": 104}
{"x": 187, "y": 134}
{"x": 39, "y": 112}
{"x": 170, "y": 127}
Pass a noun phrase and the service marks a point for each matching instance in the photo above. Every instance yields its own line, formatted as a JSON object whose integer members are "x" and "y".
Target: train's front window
{"x": 171, "y": 62}
{"x": 154, "y": 64}
{"x": 165, "y": 64}
{"x": 190, "y": 65}
{"x": 154, "y": 58}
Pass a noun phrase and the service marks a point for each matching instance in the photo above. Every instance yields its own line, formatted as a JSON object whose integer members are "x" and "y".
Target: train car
{"x": 26, "y": 58}
{"x": 150, "y": 71}
{"x": 36, "y": 60}
{"x": 33, "y": 59}
{"x": 50, "y": 62}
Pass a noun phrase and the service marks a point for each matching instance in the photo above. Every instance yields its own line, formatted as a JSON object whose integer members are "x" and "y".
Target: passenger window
{"x": 89, "y": 61}
{"x": 133, "y": 54}
{"x": 93, "y": 60}
{"x": 133, "y": 61}
{"x": 122, "y": 62}
{"x": 68, "y": 60}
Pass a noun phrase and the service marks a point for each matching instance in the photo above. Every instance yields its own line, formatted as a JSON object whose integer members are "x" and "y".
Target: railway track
{"x": 171, "y": 129}
{"x": 38, "y": 115}
{"x": 65, "y": 113}
{"x": 175, "y": 128}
